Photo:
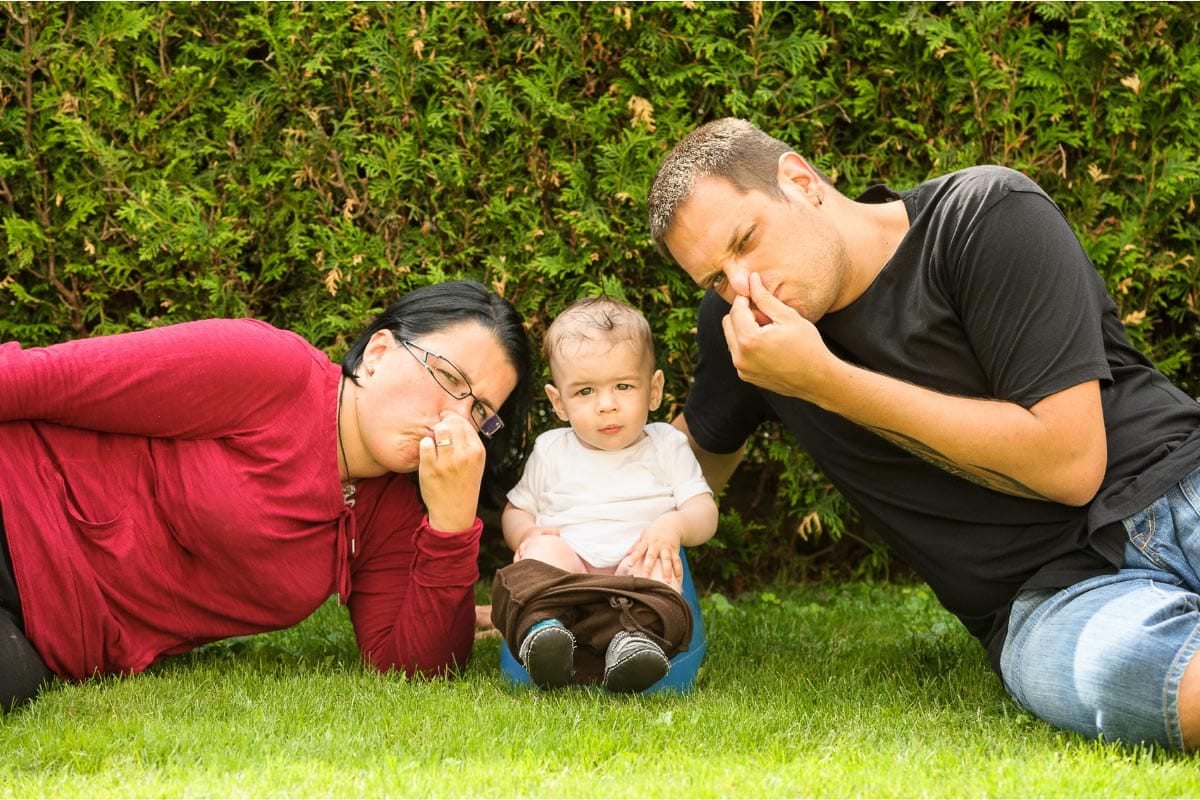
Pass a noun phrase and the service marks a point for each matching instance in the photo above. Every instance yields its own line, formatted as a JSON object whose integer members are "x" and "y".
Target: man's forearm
{"x": 1055, "y": 450}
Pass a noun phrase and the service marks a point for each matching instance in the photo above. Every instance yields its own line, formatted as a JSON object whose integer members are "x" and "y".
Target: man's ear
{"x": 556, "y": 401}
{"x": 798, "y": 179}
{"x": 656, "y": 389}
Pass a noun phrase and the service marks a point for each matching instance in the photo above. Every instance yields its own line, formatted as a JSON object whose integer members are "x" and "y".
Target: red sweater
{"x": 172, "y": 487}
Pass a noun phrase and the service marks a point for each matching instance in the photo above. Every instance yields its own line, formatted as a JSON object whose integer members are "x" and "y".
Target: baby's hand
{"x": 656, "y": 555}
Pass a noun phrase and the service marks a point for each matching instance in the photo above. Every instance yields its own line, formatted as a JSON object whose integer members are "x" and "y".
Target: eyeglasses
{"x": 455, "y": 384}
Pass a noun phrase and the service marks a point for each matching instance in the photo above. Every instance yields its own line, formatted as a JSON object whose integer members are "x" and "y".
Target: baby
{"x": 611, "y": 494}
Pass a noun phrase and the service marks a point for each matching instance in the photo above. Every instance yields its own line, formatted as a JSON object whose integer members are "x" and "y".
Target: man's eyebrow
{"x": 739, "y": 237}
{"x": 735, "y": 238}
{"x": 706, "y": 281}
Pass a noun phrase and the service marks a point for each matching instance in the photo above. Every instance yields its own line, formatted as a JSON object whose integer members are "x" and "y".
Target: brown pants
{"x": 593, "y": 607}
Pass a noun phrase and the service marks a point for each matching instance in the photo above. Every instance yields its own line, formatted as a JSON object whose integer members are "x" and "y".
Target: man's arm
{"x": 718, "y": 468}
{"x": 1056, "y": 450}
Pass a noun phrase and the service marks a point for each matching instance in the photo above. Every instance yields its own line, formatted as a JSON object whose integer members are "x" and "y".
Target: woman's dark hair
{"x": 434, "y": 308}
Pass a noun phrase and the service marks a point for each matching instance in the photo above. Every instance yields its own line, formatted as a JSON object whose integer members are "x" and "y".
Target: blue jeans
{"x": 1105, "y": 656}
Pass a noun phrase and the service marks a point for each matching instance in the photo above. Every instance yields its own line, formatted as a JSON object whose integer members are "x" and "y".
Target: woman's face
{"x": 398, "y": 402}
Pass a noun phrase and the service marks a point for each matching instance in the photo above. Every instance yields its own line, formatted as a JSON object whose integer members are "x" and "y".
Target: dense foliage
{"x": 304, "y": 163}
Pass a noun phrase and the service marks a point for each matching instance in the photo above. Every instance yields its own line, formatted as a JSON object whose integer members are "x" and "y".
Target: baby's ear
{"x": 656, "y": 389}
{"x": 556, "y": 401}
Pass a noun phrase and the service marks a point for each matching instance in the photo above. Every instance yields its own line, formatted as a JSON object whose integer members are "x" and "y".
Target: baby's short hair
{"x": 598, "y": 319}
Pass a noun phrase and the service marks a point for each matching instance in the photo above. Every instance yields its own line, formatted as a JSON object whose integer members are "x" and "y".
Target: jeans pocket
{"x": 1142, "y": 530}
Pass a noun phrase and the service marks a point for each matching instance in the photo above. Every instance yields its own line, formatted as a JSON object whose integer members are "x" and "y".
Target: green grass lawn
{"x": 840, "y": 690}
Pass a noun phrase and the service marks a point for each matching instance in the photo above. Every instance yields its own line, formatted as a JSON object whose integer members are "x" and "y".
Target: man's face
{"x": 721, "y": 235}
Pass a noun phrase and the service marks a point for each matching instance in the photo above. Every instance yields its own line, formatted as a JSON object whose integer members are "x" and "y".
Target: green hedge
{"x": 305, "y": 163}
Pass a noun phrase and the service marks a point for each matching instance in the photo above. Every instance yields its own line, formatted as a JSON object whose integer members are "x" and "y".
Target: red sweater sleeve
{"x": 178, "y": 381}
{"x": 412, "y": 598}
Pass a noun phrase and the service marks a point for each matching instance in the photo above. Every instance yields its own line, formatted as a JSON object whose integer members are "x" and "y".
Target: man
{"x": 950, "y": 358}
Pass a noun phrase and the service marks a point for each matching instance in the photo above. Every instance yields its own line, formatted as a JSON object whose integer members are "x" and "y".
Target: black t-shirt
{"x": 989, "y": 294}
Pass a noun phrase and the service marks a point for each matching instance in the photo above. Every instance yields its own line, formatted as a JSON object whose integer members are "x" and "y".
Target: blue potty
{"x": 684, "y": 666}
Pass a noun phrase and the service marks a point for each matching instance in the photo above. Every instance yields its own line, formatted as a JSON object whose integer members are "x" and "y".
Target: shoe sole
{"x": 550, "y": 660}
{"x": 637, "y": 672}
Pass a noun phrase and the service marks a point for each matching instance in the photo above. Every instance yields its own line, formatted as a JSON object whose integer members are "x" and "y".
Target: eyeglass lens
{"x": 455, "y": 384}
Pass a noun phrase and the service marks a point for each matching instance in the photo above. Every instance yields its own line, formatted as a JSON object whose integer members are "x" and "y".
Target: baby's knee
{"x": 551, "y": 550}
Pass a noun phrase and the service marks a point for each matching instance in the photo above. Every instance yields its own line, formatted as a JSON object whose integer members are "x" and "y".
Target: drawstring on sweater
{"x": 347, "y": 548}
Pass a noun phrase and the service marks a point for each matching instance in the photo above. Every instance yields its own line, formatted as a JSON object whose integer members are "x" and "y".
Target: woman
{"x": 167, "y": 488}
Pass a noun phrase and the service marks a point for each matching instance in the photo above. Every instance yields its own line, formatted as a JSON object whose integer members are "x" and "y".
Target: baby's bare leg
{"x": 551, "y": 550}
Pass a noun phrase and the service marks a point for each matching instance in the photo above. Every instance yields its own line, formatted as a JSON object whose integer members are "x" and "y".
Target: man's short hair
{"x": 728, "y": 148}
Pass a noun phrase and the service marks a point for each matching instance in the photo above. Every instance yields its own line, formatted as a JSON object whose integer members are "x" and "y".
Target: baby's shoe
{"x": 633, "y": 663}
{"x": 548, "y": 653}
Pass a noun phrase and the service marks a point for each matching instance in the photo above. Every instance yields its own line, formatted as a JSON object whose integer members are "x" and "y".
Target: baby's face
{"x": 605, "y": 391}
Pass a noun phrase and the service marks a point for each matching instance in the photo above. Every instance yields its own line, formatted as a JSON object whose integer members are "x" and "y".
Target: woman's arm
{"x": 192, "y": 380}
{"x": 412, "y": 598}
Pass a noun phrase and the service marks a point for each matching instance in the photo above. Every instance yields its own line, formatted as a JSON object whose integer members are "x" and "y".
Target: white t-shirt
{"x": 601, "y": 501}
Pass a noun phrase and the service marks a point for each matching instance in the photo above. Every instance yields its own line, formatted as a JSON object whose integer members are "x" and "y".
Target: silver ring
{"x": 444, "y": 442}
